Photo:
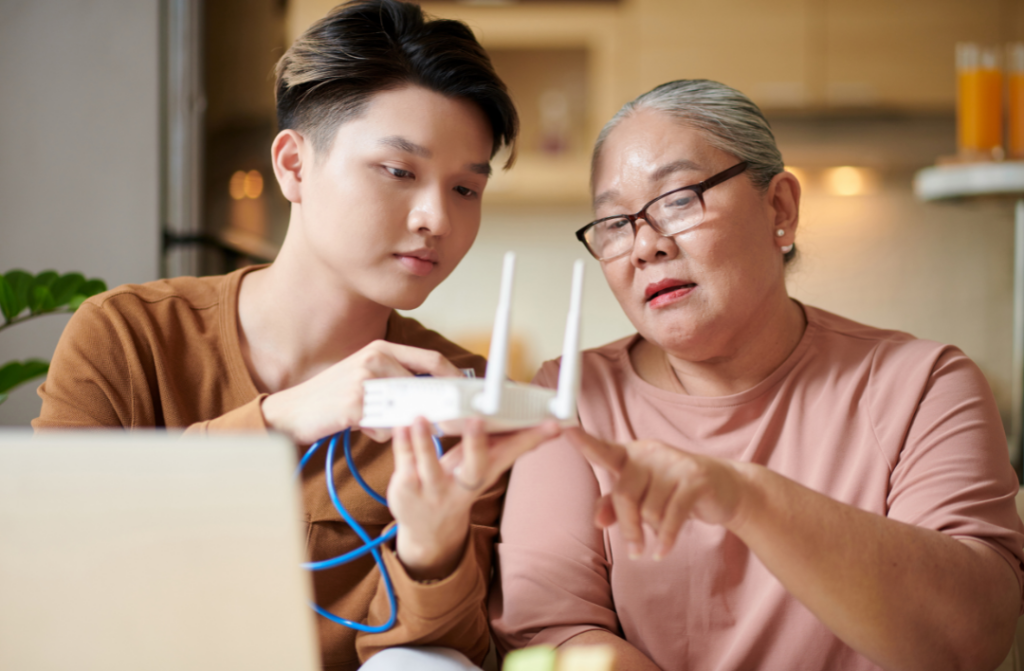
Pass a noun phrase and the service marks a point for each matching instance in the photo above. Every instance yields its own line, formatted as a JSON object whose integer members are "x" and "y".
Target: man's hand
{"x": 333, "y": 400}
{"x": 431, "y": 498}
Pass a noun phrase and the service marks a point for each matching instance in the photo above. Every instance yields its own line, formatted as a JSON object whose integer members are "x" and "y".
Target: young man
{"x": 388, "y": 125}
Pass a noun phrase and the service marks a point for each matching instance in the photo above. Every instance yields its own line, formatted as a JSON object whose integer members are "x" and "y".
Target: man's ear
{"x": 784, "y": 196}
{"x": 289, "y": 154}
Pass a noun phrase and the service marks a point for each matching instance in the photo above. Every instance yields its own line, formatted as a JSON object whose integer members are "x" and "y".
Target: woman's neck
{"x": 292, "y": 327}
{"x": 759, "y": 353}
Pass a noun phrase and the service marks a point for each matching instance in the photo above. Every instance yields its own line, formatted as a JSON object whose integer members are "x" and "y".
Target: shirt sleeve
{"x": 451, "y": 612}
{"x": 98, "y": 378}
{"x": 553, "y": 578}
{"x": 90, "y": 381}
{"x": 953, "y": 474}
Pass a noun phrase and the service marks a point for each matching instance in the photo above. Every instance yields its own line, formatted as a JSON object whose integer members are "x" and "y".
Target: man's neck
{"x": 290, "y": 329}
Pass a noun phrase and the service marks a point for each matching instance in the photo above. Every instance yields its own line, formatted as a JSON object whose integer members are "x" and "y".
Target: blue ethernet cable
{"x": 370, "y": 546}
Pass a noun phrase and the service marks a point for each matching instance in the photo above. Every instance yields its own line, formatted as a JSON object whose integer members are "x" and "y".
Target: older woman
{"x": 773, "y": 486}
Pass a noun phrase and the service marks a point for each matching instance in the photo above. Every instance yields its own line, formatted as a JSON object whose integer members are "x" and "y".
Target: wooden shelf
{"x": 541, "y": 179}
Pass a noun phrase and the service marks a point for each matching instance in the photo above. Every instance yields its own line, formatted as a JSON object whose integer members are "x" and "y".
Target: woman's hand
{"x": 661, "y": 486}
{"x": 431, "y": 498}
{"x": 333, "y": 400}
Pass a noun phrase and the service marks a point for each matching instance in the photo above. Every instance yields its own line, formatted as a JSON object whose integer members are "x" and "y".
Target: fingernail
{"x": 635, "y": 550}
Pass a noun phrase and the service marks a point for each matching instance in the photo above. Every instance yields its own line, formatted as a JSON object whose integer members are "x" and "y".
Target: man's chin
{"x": 404, "y": 299}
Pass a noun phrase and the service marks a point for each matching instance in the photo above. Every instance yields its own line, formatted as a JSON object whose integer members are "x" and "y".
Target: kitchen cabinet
{"x": 879, "y": 53}
{"x": 790, "y": 56}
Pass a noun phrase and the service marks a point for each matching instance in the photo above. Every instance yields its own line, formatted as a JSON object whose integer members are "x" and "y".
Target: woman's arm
{"x": 627, "y": 657}
{"x": 903, "y": 596}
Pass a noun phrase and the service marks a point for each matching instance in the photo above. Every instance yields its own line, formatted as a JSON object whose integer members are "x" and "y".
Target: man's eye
{"x": 465, "y": 191}
{"x": 615, "y": 224}
{"x": 398, "y": 172}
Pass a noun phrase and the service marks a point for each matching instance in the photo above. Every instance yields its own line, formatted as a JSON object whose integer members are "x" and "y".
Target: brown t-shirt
{"x": 167, "y": 354}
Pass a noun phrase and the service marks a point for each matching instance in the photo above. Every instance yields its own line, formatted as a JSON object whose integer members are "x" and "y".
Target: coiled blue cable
{"x": 370, "y": 546}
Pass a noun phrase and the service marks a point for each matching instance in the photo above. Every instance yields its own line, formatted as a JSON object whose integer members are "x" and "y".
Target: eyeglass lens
{"x": 672, "y": 213}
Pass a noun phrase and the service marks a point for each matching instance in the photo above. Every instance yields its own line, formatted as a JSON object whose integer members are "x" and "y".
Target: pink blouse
{"x": 902, "y": 427}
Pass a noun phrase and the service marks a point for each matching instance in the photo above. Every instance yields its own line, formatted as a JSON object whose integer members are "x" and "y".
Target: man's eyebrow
{"x": 402, "y": 144}
{"x": 661, "y": 173}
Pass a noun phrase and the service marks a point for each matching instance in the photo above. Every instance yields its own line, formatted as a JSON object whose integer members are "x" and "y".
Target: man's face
{"x": 390, "y": 210}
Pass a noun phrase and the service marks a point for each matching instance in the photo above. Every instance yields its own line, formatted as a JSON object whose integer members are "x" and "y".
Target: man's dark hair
{"x": 361, "y": 48}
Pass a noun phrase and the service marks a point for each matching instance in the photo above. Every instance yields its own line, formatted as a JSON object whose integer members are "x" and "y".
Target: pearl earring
{"x": 779, "y": 232}
{"x": 787, "y": 249}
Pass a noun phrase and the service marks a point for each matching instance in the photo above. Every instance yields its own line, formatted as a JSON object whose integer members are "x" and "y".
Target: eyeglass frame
{"x": 699, "y": 188}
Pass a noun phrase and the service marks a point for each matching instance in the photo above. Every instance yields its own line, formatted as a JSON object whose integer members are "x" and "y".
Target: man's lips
{"x": 418, "y": 261}
{"x": 665, "y": 286}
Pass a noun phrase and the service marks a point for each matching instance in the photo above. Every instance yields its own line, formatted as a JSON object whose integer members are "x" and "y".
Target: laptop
{"x": 150, "y": 550}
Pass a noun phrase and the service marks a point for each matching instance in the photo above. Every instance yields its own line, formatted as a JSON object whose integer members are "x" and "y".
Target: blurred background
{"x": 136, "y": 133}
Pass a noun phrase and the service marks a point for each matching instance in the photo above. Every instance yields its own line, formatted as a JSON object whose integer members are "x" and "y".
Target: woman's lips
{"x": 666, "y": 292}
{"x": 418, "y": 262}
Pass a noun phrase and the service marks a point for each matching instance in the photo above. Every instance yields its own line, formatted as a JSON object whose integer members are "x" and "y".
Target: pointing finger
{"x": 609, "y": 456}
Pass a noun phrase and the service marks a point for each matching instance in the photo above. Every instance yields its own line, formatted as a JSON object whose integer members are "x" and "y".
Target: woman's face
{"x": 701, "y": 293}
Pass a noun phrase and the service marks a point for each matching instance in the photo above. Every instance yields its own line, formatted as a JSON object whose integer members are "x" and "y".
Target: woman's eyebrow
{"x": 675, "y": 166}
{"x": 661, "y": 173}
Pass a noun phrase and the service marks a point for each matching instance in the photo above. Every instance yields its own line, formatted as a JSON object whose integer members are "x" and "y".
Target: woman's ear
{"x": 289, "y": 154}
{"x": 784, "y": 197}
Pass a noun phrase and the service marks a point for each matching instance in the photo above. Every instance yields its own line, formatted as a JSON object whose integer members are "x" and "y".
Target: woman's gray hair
{"x": 729, "y": 120}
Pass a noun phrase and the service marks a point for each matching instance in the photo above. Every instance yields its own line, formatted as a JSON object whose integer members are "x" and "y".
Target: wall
{"x": 940, "y": 271}
{"x": 79, "y": 164}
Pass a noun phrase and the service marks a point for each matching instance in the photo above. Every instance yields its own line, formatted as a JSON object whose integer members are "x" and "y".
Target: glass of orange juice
{"x": 1015, "y": 100}
{"x": 979, "y": 102}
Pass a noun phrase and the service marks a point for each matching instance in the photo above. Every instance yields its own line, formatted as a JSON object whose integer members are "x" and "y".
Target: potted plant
{"x": 24, "y": 296}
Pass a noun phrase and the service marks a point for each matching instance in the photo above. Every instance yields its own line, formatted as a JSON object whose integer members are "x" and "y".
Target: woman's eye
{"x": 398, "y": 172}
{"x": 465, "y": 191}
{"x": 681, "y": 201}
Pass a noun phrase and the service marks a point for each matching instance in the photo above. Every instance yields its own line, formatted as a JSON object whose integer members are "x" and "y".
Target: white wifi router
{"x": 503, "y": 405}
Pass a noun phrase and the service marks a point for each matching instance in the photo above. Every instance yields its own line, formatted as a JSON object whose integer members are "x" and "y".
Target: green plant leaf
{"x": 7, "y": 300}
{"x": 45, "y": 278}
{"x": 65, "y": 288}
{"x": 41, "y": 300}
{"x": 93, "y": 287}
{"x": 90, "y": 288}
{"x": 20, "y": 284}
{"x": 3, "y": 397}
{"x": 19, "y": 372}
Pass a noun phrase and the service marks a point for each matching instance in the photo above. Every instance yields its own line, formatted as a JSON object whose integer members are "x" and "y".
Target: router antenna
{"x": 563, "y": 406}
{"x": 489, "y": 401}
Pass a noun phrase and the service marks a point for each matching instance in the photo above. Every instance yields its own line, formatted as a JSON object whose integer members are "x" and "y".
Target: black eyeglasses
{"x": 610, "y": 237}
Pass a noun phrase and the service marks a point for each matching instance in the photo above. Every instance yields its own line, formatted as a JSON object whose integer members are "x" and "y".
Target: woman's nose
{"x": 650, "y": 245}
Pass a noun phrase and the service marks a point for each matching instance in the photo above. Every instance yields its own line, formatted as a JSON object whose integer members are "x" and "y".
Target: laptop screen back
{"x": 151, "y": 550}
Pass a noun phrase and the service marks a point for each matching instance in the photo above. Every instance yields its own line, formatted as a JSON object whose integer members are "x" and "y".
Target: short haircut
{"x": 361, "y": 48}
{"x": 728, "y": 120}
